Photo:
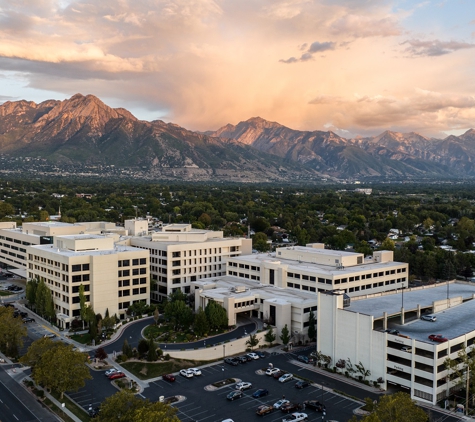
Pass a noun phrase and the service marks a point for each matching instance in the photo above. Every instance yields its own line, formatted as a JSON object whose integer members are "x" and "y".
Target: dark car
{"x": 291, "y": 407}
{"x": 23, "y": 314}
{"x": 168, "y": 377}
{"x": 241, "y": 359}
{"x": 392, "y": 331}
{"x": 231, "y": 361}
{"x": 302, "y": 384}
{"x": 264, "y": 409}
{"x": 277, "y": 375}
{"x": 260, "y": 393}
{"x": 28, "y": 319}
{"x": 262, "y": 355}
{"x": 315, "y": 405}
{"x": 233, "y": 395}
{"x": 305, "y": 359}
{"x": 94, "y": 413}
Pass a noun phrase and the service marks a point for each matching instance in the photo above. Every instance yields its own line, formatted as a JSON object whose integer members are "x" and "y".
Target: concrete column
{"x": 418, "y": 311}
{"x": 385, "y": 320}
{"x": 402, "y": 316}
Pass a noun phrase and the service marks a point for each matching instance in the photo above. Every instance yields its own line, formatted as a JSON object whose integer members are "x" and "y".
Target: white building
{"x": 180, "y": 255}
{"x": 315, "y": 269}
{"x": 273, "y": 304}
{"x": 114, "y": 276}
{"x": 408, "y": 360}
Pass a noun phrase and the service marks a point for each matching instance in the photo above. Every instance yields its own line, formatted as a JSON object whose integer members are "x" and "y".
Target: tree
{"x": 108, "y": 323}
{"x": 253, "y": 341}
{"x": 285, "y": 335}
{"x": 216, "y": 314}
{"x": 259, "y": 242}
{"x": 312, "y": 331}
{"x": 459, "y": 367}
{"x": 30, "y": 293}
{"x": 396, "y": 407}
{"x": 61, "y": 369}
{"x": 387, "y": 245}
{"x": 200, "y": 324}
{"x": 142, "y": 347}
{"x": 100, "y": 353}
{"x": 179, "y": 314}
{"x": 36, "y": 350}
{"x": 156, "y": 316}
{"x": 12, "y": 331}
{"x": 269, "y": 336}
{"x": 362, "y": 370}
{"x": 126, "y": 349}
{"x": 82, "y": 304}
{"x": 125, "y": 406}
{"x": 152, "y": 351}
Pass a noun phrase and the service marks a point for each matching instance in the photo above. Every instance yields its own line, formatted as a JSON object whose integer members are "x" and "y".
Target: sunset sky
{"x": 356, "y": 67}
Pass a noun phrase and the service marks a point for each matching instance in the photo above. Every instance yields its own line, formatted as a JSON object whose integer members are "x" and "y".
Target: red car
{"x": 168, "y": 377}
{"x": 116, "y": 375}
{"x": 439, "y": 338}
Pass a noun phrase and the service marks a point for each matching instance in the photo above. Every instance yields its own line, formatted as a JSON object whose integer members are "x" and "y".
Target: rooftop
{"x": 71, "y": 253}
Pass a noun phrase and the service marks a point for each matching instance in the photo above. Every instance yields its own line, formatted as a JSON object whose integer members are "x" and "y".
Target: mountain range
{"x": 83, "y": 131}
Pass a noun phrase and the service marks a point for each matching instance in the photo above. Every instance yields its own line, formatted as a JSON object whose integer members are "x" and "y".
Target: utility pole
{"x": 466, "y": 390}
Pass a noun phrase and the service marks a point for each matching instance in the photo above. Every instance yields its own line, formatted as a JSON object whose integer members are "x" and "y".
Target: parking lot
{"x": 200, "y": 404}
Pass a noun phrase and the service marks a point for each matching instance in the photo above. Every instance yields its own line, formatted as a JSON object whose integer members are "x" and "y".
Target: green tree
{"x": 152, "y": 351}
{"x": 396, "y": 407}
{"x": 387, "y": 245}
{"x": 253, "y": 341}
{"x": 156, "y": 316}
{"x": 269, "y": 337}
{"x": 179, "y": 314}
{"x": 42, "y": 298}
{"x": 259, "y": 242}
{"x": 61, "y": 369}
{"x": 312, "y": 331}
{"x": 12, "y": 331}
{"x": 30, "y": 293}
{"x": 285, "y": 335}
{"x": 36, "y": 350}
{"x": 462, "y": 367}
{"x": 216, "y": 315}
{"x": 82, "y": 304}
{"x": 126, "y": 349}
{"x": 142, "y": 347}
{"x": 125, "y": 406}
{"x": 200, "y": 324}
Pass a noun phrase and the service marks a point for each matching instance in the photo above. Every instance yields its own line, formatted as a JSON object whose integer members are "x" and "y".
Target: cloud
{"x": 315, "y": 47}
{"x": 418, "y": 48}
{"x": 366, "y": 26}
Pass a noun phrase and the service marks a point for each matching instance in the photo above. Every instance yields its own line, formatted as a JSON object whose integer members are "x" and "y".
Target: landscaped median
{"x": 147, "y": 370}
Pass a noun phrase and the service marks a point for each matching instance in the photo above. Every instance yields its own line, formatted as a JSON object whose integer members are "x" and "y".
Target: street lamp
{"x": 402, "y": 300}
{"x": 224, "y": 354}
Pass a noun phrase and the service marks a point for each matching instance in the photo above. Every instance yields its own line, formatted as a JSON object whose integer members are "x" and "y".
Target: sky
{"x": 355, "y": 67}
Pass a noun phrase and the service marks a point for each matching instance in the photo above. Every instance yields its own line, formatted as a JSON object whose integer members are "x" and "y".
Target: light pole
{"x": 402, "y": 295}
{"x": 224, "y": 354}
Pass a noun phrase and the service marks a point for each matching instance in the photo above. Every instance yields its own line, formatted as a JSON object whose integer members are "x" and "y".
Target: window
{"x": 85, "y": 267}
{"x": 135, "y": 262}
{"x": 143, "y": 261}
{"x": 76, "y": 268}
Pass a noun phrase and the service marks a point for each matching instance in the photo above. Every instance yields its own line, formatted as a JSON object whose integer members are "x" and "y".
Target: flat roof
{"x": 451, "y": 322}
{"x": 226, "y": 283}
{"x": 70, "y": 253}
{"x": 330, "y": 270}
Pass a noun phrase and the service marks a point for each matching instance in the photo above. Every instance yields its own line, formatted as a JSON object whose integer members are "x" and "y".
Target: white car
{"x": 195, "y": 371}
{"x": 110, "y": 371}
{"x": 280, "y": 403}
{"x": 431, "y": 318}
{"x": 285, "y": 377}
{"x": 272, "y": 371}
{"x": 186, "y": 373}
{"x": 243, "y": 385}
{"x": 295, "y": 417}
{"x": 253, "y": 355}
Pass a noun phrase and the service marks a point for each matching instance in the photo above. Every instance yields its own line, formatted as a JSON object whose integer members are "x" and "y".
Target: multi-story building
{"x": 385, "y": 334}
{"x": 14, "y": 240}
{"x": 180, "y": 255}
{"x": 274, "y": 305}
{"x": 114, "y": 276}
{"x": 313, "y": 269}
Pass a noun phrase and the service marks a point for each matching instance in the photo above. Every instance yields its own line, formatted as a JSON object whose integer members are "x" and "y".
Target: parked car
{"x": 243, "y": 385}
{"x": 277, "y": 375}
{"x": 278, "y": 404}
{"x": 406, "y": 349}
{"x": 431, "y": 318}
{"x": 392, "y": 331}
{"x": 253, "y": 355}
{"x": 264, "y": 409}
{"x": 49, "y": 335}
{"x": 231, "y": 361}
{"x": 272, "y": 371}
{"x": 290, "y": 407}
{"x": 110, "y": 372}
{"x": 233, "y": 395}
{"x": 241, "y": 359}
{"x": 116, "y": 375}
{"x": 196, "y": 371}
{"x": 186, "y": 373}
{"x": 285, "y": 377}
{"x": 295, "y": 417}
{"x": 301, "y": 384}
{"x": 262, "y": 355}
{"x": 168, "y": 377}
{"x": 439, "y": 338}
{"x": 260, "y": 393}
{"x": 28, "y": 319}
{"x": 314, "y": 404}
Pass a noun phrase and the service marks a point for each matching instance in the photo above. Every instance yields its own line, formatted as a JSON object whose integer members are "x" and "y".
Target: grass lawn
{"x": 146, "y": 370}
{"x": 5, "y": 293}
{"x": 82, "y": 338}
{"x": 172, "y": 336}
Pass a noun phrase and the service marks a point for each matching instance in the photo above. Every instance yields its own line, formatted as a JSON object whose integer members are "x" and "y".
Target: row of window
{"x": 345, "y": 279}
{"x": 9, "y": 239}
{"x": 302, "y": 287}
{"x": 135, "y": 261}
{"x": 245, "y": 266}
{"x": 135, "y": 271}
{"x": 124, "y": 293}
{"x": 243, "y": 275}
{"x": 135, "y": 282}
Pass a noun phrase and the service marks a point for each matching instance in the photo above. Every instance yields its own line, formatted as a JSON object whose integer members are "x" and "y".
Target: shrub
{"x": 167, "y": 357}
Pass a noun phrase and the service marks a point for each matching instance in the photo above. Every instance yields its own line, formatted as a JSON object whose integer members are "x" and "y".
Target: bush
{"x": 39, "y": 393}
{"x": 167, "y": 357}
